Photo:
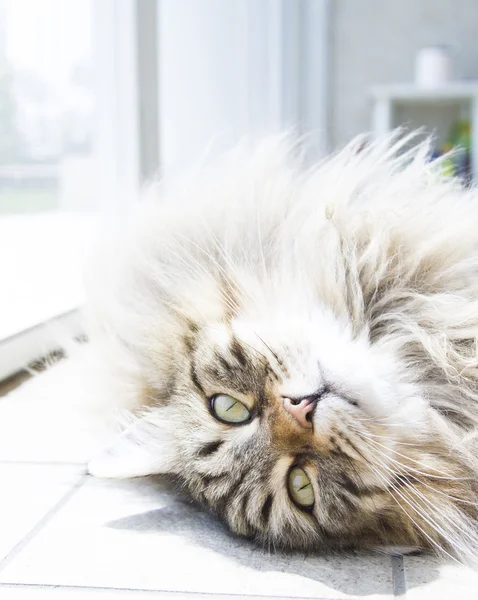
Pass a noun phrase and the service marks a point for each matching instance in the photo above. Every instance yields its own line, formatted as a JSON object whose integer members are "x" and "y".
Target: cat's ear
{"x": 146, "y": 447}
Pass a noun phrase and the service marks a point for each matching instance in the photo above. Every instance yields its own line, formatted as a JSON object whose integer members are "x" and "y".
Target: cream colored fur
{"x": 361, "y": 271}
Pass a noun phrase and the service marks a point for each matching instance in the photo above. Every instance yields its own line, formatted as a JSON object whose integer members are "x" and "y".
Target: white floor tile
{"x": 137, "y": 535}
{"x": 49, "y": 418}
{"x": 429, "y": 578}
{"x": 51, "y": 593}
{"x": 16, "y": 592}
{"x": 27, "y": 494}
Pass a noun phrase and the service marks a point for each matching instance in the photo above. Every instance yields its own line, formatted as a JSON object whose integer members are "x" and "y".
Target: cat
{"x": 298, "y": 345}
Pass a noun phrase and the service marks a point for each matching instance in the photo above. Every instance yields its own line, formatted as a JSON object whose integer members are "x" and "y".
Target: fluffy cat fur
{"x": 261, "y": 278}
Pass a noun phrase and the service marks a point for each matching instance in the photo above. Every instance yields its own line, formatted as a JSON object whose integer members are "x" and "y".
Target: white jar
{"x": 433, "y": 66}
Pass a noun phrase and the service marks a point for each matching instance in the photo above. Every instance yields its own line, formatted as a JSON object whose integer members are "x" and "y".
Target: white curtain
{"x": 233, "y": 67}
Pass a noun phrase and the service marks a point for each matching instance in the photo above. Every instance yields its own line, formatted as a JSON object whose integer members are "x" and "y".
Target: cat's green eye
{"x": 229, "y": 410}
{"x": 300, "y": 488}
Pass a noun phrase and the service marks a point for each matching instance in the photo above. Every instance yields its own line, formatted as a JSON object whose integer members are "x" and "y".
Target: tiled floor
{"x": 66, "y": 535}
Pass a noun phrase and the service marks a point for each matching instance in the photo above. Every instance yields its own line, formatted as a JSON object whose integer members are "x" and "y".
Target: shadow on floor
{"x": 350, "y": 573}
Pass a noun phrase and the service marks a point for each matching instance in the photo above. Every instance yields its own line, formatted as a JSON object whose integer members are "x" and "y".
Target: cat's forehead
{"x": 261, "y": 345}
{"x": 259, "y": 337}
{"x": 218, "y": 334}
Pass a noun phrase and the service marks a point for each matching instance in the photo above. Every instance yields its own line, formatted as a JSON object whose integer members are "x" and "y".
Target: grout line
{"x": 172, "y": 593}
{"x": 398, "y": 576}
{"x": 42, "y": 522}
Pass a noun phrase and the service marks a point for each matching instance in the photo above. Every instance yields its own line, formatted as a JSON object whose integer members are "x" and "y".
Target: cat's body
{"x": 302, "y": 348}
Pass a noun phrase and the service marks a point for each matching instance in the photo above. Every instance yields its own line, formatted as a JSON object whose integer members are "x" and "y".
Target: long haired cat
{"x": 299, "y": 346}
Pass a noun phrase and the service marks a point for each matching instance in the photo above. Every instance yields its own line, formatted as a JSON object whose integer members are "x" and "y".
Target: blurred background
{"x": 97, "y": 97}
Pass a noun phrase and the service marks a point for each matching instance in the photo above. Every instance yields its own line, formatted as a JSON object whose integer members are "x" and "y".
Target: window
{"x": 93, "y": 93}
{"x": 62, "y": 139}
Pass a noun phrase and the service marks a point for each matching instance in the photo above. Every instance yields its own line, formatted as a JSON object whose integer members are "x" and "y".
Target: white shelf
{"x": 385, "y": 97}
{"x": 409, "y": 92}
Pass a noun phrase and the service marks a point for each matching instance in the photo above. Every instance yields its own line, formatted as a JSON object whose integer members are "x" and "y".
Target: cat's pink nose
{"x": 300, "y": 409}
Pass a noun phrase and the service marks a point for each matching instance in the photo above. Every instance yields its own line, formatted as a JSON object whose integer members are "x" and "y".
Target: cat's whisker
{"x": 450, "y": 535}
{"x": 279, "y": 362}
{"x": 436, "y": 490}
{"x": 381, "y": 421}
{"x": 382, "y": 437}
{"x": 454, "y": 498}
{"x": 255, "y": 350}
{"x": 443, "y": 475}
{"x": 401, "y": 469}
{"x": 409, "y": 488}
{"x": 394, "y": 490}
{"x": 415, "y": 470}
{"x": 388, "y": 483}
{"x": 409, "y": 484}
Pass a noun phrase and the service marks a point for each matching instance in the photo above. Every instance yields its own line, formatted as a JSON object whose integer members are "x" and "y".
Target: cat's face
{"x": 298, "y": 434}
{"x": 287, "y": 427}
